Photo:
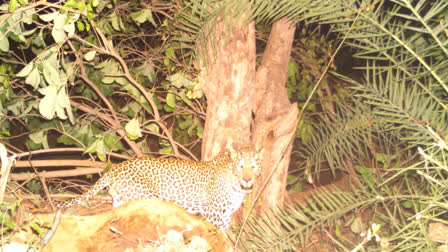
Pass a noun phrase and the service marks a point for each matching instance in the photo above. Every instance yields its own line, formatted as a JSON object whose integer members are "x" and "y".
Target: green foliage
{"x": 61, "y": 78}
{"x": 351, "y": 136}
{"x": 299, "y": 221}
{"x": 198, "y": 19}
{"x": 8, "y": 211}
{"x": 311, "y": 54}
{"x": 392, "y": 132}
{"x": 86, "y": 70}
{"x": 34, "y": 186}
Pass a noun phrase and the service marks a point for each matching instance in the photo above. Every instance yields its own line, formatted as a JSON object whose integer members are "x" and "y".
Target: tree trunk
{"x": 228, "y": 78}
{"x": 275, "y": 116}
{"x": 228, "y": 81}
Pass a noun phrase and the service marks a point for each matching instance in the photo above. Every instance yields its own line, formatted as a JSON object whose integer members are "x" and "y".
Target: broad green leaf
{"x": 170, "y": 53}
{"x": 26, "y": 70}
{"x": 139, "y": 16}
{"x": 70, "y": 28}
{"x": 168, "y": 108}
{"x": 112, "y": 143}
{"x": 52, "y": 76}
{"x": 101, "y": 150}
{"x": 5, "y": 133}
{"x": 196, "y": 92}
{"x": 3, "y": 69}
{"x": 88, "y": 27}
{"x": 199, "y": 131}
{"x": 71, "y": 3}
{"x": 408, "y": 204}
{"x": 9, "y": 224}
{"x": 357, "y": 225}
{"x": 110, "y": 140}
{"x": 171, "y": 100}
{"x": 95, "y": 3}
{"x": 81, "y": 5}
{"x": 133, "y": 130}
{"x": 153, "y": 127}
{"x": 143, "y": 16}
{"x": 33, "y": 78}
{"x": 39, "y": 40}
{"x": 51, "y": 57}
{"x": 185, "y": 124}
{"x": 6, "y": 83}
{"x": 179, "y": 80}
{"x": 80, "y": 26}
{"x": 47, "y": 105}
{"x": 146, "y": 70}
{"x": 15, "y": 108}
{"x": 58, "y": 32}
{"x": 63, "y": 139}
{"x": 12, "y": 5}
{"x": 92, "y": 147}
{"x": 131, "y": 108}
{"x": 90, "y": 55}
{"x": 166, "y": 62}
{"x": 166, "y": 150}
{"x": 4, "y": 43}
{"x": 49, "y": 17}
{"x": 108, "y": 80}
{"x": 114, "y": 21}
{"x": 62, "y": 104}
{"x": 190, "y": 130}
{"x": 37, "y": 137}
{"x": 29, "y": 32}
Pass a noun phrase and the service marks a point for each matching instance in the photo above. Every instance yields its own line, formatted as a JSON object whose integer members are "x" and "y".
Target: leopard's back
{"x": 182, "y": 182}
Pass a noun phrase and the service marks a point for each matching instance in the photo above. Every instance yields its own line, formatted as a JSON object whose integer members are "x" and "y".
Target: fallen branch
{"x": 60, "y": 163}
{"x": 95, "y": 167}
{"x": 56, "y": 174}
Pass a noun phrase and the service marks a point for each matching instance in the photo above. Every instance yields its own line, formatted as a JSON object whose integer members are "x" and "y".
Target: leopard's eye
{"x": 240, "y": 164}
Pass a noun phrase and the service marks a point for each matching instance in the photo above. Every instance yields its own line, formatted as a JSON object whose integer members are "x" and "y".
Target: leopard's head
{"x": 246, "y": 166}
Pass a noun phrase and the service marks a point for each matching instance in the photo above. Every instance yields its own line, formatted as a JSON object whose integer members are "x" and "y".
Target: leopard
{"x": 213, "y": 189}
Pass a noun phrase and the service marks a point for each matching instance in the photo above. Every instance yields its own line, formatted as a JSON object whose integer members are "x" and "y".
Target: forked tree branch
{"x": 115, "y": 122}
{"x": 111, "y": 51}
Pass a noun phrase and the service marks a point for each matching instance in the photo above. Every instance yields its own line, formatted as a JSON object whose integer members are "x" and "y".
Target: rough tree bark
{"x": 228, "y": 81}
{"x": 275, "y": 116}
{"x": 235, "y": 92}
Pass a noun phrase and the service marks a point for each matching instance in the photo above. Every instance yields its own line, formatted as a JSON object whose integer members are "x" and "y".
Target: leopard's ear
{"x": 260, "y": 152}
{"x": 230, "y": 148}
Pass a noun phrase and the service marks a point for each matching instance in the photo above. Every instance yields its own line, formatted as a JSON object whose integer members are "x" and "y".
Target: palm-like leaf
{"x": 405, "y": 49}
{"x": 413, "y": 43}
{"x": 350, "y": 135}
{"x": 404, "y": 44}
{"x": 299, "y": 221}
{"x": 408, "y": 109}
{"x": 199, "y": 18}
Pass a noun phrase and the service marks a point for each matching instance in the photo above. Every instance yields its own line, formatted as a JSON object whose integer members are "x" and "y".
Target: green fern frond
{"x": 409, "y": 37}
{"x": 300, "y": 220}
{"x": 199, "y": 18}
{"x": 349, "y": 136}
{"x": 407, "y": 108}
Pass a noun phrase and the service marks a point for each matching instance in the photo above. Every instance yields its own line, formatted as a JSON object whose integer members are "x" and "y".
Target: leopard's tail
{"x": 98, "y": 186}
